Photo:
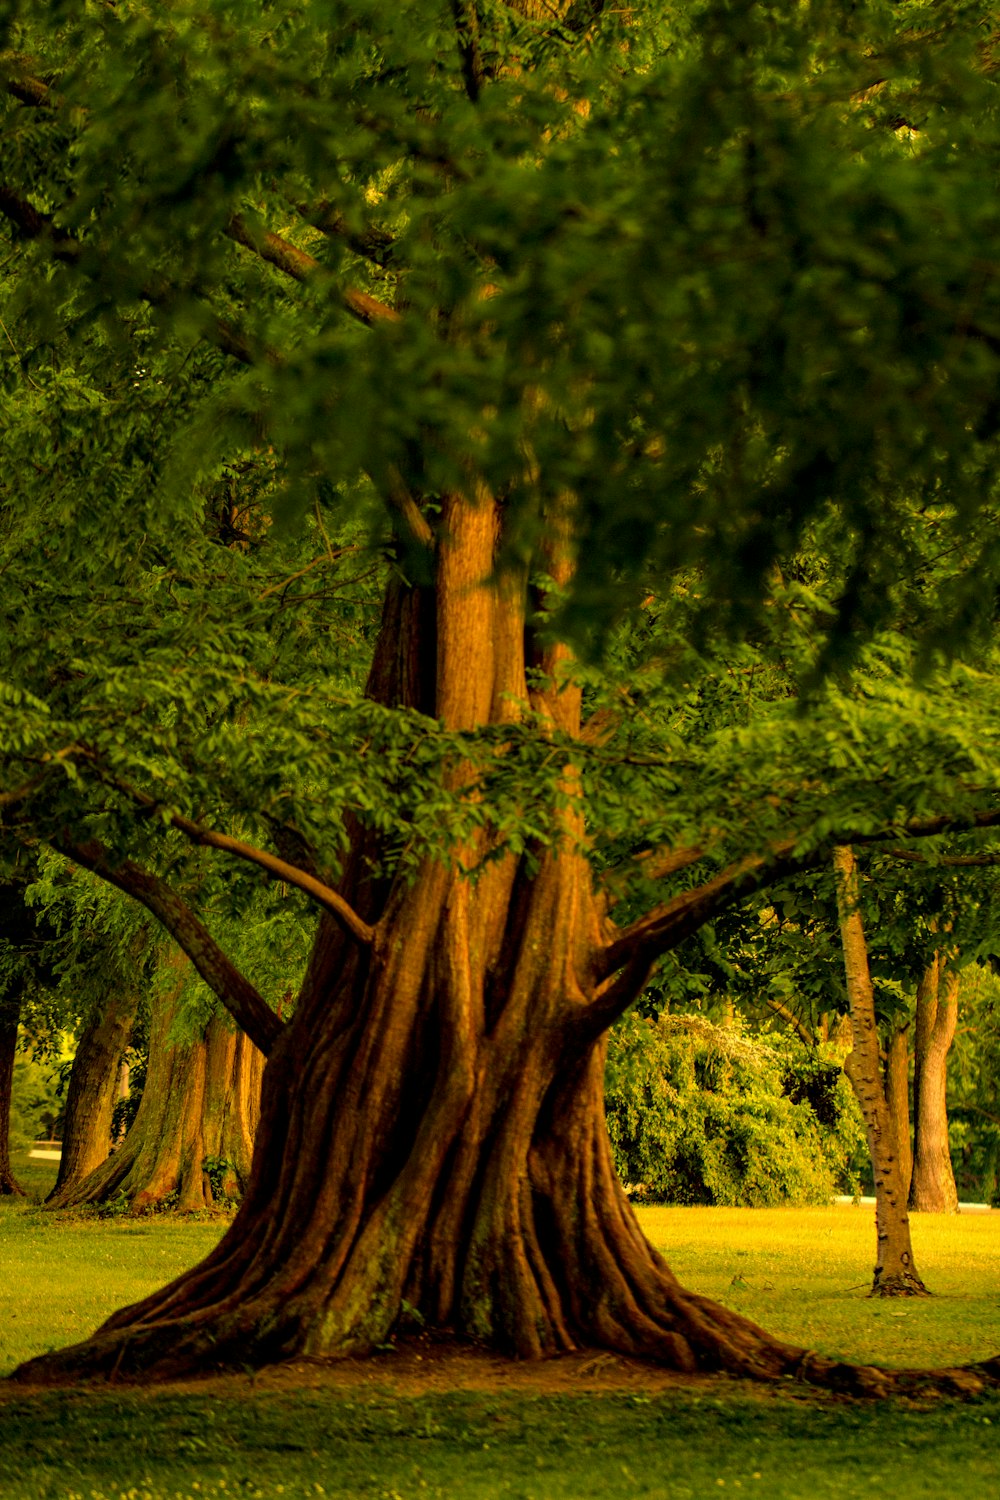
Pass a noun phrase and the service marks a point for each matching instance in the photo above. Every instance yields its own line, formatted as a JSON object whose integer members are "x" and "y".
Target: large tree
{"x": 584, "y": 317}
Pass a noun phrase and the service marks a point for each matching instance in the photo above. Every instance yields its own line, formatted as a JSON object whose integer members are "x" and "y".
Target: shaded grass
{"x": 471, "y": 1446}
{"x": 802, "y": 1273}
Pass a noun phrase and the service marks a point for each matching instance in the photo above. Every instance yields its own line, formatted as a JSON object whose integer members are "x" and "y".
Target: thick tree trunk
{"x": 895, "y": 1271}
{"x": 897, "y": 1094}
{"x": 200, "y": 1104}
{"x": 432, "y": 1143}
{"x": 91, "y": 1094}
{"x": 9, "y": 1019}
{"x": 933, "y": 1187}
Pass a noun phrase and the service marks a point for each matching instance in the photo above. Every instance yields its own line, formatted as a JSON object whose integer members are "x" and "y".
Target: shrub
{"x": 699, "y": 1113}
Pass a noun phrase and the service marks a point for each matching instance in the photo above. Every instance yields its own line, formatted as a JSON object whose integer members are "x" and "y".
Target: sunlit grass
{"x": 63, "y": 1275}
{"x": 804, "y": 1273}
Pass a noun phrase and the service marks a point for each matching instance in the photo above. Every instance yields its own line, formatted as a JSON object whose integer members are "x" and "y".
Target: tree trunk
{"x": 895, "y": 1271}
{"x": 199, "y": 1106}
{"x": 933, "y": 1187}
{"x": 432, "y": 1143}
{"x": 92, "y": 1092}
{"x": 897, "y": 1093}
{"x": 9, "y": 1019}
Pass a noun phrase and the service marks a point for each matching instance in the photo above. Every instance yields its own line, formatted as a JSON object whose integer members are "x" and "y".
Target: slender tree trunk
{"x": 895, "y": 1271}
{"x": 200, "y": 1104}
{"x": 9, "y": 1019}
{"x": 897, "y": 1093}
{"x": 92, "y": 1092}
{"x": 933, "y": 1187}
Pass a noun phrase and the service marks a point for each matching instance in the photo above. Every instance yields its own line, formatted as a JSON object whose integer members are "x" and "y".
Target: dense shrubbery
{"x": 700, "y": 1113}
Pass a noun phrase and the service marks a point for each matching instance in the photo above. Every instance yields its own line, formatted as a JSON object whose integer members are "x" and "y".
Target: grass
{"x": 804, "y": 1273}
{"x": 471, "y": 1446}
{"x": 800, "y": 1272}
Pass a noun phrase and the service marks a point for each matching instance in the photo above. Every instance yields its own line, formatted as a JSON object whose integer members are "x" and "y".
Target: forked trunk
{"x": 194, "y": 1126}
{"x": 933, "y": 1188}
{"x": 91, "y": 1093}
{"x": 9, "y": 1186}
{"x": 895, "y": 1272}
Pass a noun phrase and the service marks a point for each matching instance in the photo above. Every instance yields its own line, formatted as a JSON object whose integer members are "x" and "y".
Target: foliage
{"x": 700, "y": 1113}
{"x": 574, "y": 276}
{"x": 36, "y": 1101}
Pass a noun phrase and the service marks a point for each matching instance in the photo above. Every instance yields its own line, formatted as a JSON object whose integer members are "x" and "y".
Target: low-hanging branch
{"x": 323, "y": 894}
{"x": 949, "y": 861}
{"x": 244, "y": 1003}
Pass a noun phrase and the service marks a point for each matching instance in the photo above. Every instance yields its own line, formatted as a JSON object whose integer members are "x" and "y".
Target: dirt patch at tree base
{"x": 435, "y": 1365}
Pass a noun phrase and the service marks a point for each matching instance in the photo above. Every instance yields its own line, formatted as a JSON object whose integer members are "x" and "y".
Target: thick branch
{"x": 797, "y": 1024}
{"x": 244, "y": 1003}
{"x": 371, "y": 243}
{"x": 653, "y": 864}
{"x": 672, "y": 921}
{"x": 952, "y": 861}
{"x": 32, "y": 224}
{"x": 22, "y": 85}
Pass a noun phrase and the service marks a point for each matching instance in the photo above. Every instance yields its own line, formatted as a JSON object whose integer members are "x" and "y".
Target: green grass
{"x": 800, "y": 1272}
{"x": 804, "y": 1273}
{"x": 471, "y": 1446}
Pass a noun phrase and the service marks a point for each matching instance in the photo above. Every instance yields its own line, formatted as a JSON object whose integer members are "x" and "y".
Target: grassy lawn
{"x": 800, "y": 1272}
{"x": 804, "y": 1273}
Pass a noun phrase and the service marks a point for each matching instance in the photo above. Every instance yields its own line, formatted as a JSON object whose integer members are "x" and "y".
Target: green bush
{"x": 699, "y": 1113}
{"x": 36, "y": 1104}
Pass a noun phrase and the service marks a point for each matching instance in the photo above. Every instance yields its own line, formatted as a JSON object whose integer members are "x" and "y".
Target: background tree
{"x": 482, "y": 286}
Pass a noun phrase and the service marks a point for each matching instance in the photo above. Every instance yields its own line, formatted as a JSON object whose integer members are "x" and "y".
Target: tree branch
{"x": 467, "y": 27}
{"x": 372, "y": 243}
{"x": 32, "y": 224}
{"x": 636, "y": 948}
{"x": 799, "y": 1026}
{"x": 244, "y": 1003}
{"x": 324, "y": 895}
{"x": 301, "y": 266}
{"x": 951, "y": 861}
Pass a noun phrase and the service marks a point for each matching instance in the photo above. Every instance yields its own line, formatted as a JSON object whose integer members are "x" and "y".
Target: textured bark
{"x": 933, "y": 1189}
{"x": 8, "y": 1051}
{"x": 897, "y": 1093}
{"x": 92, "y": 1092}
{"x": 200, "y": 1103}
{"x": 895, "y": 1272}
{"x": 432, "y": 1142}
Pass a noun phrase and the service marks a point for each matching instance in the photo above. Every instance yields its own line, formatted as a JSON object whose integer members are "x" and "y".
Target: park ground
{"x": 426, "y": 1419}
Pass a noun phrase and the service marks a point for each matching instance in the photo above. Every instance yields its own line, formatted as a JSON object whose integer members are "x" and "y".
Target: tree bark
{"x": 9, "y": 1018}
{"x": 933, "y": 1188}
{"x": 200, "y": 1104}
{"x": 897, "y": 1093}
{"x": 895, "y": 1272}
{"x": 92, "y": 1092}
